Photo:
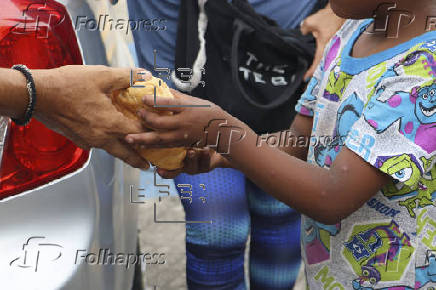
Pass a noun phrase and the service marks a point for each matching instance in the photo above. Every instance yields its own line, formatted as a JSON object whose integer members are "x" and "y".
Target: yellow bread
{"x": 129, "y": 102}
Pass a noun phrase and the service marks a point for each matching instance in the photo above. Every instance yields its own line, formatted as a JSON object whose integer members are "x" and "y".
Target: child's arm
{"x": 300, "y": 130}
{"x": 325, "y": 195}
{"x": 205, "y": 159}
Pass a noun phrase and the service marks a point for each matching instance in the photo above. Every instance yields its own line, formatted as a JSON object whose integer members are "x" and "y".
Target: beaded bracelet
{"x": 30, "y": 84}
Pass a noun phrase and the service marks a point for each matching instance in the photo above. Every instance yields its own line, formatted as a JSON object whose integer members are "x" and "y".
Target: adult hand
{"x": 74, "y": 101}
{"x": 323, "y": 25}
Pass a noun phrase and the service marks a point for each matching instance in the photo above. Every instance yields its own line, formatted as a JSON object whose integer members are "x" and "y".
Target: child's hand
{"x": 196, "y": 161}
{"x": 184, "y": 128}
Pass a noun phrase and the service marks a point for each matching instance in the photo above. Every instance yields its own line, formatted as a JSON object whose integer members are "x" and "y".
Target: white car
{"x": 66, "y": 220}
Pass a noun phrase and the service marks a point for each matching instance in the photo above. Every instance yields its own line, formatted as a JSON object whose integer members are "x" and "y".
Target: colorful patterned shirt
{"x": 383, "y": 108}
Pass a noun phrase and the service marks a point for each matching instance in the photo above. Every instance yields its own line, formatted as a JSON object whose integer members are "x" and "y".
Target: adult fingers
{"x": 125, "y": 77}
{"x": 127, "y": 154}
{"x": 307, "y": 26}
{"x": 316, "y": 60}
{"x": 121, "y": 125}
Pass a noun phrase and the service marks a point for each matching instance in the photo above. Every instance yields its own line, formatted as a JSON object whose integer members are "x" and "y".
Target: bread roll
{"x": 129, "y": 101}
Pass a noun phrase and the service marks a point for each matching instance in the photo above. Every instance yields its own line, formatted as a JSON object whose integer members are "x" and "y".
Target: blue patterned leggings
{"x": 215, "y": 252}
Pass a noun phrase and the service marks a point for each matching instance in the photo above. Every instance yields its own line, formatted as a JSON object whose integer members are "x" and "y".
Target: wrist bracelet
{"x": 30, "y": 84}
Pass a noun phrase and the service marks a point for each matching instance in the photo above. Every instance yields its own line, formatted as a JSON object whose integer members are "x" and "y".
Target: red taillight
{"x": 40, "y": 35}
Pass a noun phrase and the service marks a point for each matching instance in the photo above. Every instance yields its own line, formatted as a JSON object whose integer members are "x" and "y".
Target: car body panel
{"x": 88, "y": 210}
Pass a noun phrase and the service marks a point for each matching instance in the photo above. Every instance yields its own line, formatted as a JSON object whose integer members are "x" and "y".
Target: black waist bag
{"x": 254, "y": 69}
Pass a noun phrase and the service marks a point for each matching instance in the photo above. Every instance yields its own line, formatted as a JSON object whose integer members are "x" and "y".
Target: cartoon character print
{"x": 429, "y": 61}
{"x": 419, "y": 127}
{"x": 426, "y": 188}
{"x": 404, "y": 169}
{"x": 425, "y": 111}
{"x": 423, "y": 275}
{"x": 378, "y": 252}
{"x": 315, "y": 238}
{"x": 430, "y": 45}
{"x": 424, "y": 53}
{"x": 348, "y": 113}
{"x": 357, "y": 286}
{"x": 427, "y": 273}
{"x": 337, "y": 83}
{"x": 374, "y": 75}
{"x": 382, "y": 112}
{"x": 332, "y": 52}
{"x": 312, "y": 88}
{"x": 409, "y": 180}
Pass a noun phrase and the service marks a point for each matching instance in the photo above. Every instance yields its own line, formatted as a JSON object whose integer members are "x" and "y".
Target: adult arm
{"x": 323, "y": 25}
{"x": 73, "y": 101}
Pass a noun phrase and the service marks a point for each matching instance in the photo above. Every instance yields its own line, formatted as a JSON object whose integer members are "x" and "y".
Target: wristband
{"x": 30, "y": 84}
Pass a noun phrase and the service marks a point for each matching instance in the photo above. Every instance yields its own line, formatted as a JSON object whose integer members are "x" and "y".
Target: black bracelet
{"x": 30, "y": 84}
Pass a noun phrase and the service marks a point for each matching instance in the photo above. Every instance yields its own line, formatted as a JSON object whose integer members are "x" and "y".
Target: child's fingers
{"x": 180, "y": 96}
{"x": 190, "y": 166}
{"x": 163, "y": 104}
{"x": 197, "y": 161}
{"x": 157, "y": 139}
{"x": 168, "y": 174}
{"x": 190, "y": 101}
{"x": 204, "y": 160}
{"x": 155, "y": 121}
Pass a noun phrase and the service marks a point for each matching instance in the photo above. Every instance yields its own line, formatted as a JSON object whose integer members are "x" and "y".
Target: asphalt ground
{"x": 163, "y": 238}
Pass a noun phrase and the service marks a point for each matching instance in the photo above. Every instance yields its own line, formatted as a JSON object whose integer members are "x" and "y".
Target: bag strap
{"x": 239, "y": 28}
